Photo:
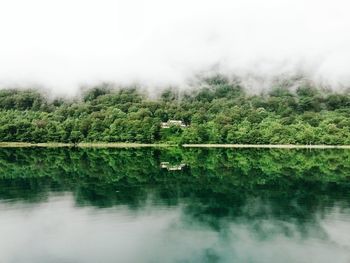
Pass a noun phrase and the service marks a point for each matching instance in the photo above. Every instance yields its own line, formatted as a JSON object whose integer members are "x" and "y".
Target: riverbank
{"x": 279, "y": 146}
{"x": 139, "y": 145}
{"x": 81, "y": 145}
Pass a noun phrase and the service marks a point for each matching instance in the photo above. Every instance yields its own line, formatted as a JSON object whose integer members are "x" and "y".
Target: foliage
{"x": 218, "y": 112}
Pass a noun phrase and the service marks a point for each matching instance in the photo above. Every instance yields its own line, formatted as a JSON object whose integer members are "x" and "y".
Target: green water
{"x": 173, "y": 205}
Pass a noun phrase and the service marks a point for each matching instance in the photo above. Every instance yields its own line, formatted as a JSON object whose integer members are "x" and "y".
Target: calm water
{"x": 193, "y": 205}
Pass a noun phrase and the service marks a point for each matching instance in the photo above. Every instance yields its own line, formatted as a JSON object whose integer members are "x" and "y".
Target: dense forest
{"x": 218, "y": 111}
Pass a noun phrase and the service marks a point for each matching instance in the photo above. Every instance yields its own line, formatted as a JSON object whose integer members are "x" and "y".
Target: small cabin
{"x": 170, "y": 123}
{"x": 172, "y": 167}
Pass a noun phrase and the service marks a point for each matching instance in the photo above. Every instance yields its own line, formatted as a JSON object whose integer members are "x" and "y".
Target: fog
{"x": 62, "y": 45}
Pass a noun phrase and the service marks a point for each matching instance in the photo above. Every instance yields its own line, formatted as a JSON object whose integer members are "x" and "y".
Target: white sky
{"x": 62, "y": 44}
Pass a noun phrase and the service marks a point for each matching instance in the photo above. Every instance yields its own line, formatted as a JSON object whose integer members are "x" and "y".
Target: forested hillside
{"x": 219, "y": 111}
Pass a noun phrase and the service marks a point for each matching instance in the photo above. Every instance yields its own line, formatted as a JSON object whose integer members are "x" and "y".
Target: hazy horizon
{"x": 62, "y": 45}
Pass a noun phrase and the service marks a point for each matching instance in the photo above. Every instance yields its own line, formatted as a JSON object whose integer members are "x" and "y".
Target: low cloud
{"x": 63, "y": 45}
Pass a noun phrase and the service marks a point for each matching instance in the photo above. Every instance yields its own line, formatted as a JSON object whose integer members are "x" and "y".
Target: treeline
{"x": 220, "y": 111}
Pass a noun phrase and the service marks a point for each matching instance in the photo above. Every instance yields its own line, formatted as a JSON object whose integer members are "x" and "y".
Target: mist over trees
{"x": 220, "y": 111}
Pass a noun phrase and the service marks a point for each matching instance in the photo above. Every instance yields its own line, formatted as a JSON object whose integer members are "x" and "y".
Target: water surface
{"x": 174, "y": 205}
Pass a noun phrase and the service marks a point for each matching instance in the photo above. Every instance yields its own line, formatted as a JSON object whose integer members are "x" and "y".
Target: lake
{"x": 174, "y": 205}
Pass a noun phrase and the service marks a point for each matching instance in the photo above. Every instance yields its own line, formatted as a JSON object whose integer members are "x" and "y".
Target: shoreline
{"x": 269, "y": 146}
{"x": 164, "y": 145}
{"x": 81, "y": 145}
